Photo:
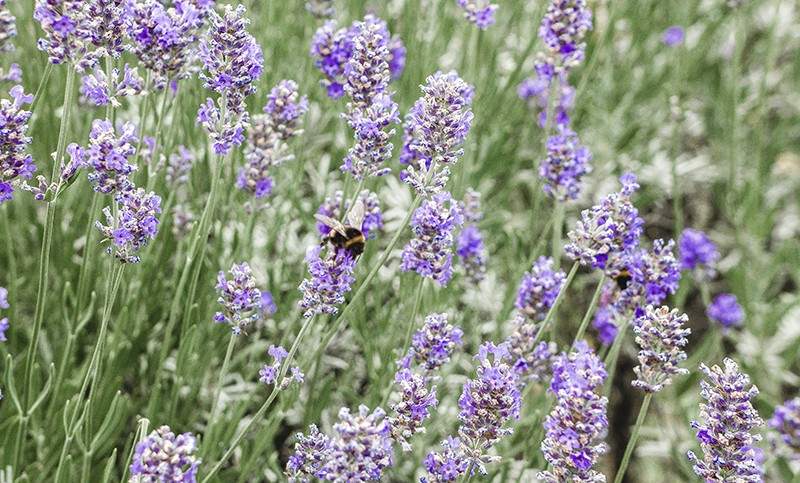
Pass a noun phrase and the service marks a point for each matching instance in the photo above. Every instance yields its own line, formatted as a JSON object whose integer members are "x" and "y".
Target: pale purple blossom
{"x": 479, "y": 12}
{"x": 330, "y": 278}
{"x": 133, "y": 225}
{"x": 165, "y": 456}
{"x": 661, "y": 335}
{"x": 16, "y": 163}
{"x": 107, "y": 156}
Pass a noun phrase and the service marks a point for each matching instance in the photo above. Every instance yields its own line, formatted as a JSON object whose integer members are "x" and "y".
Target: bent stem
{"x": 409, "y": 330}
{"x": 592, "y": 306}
{"x": 623, "y": 466}
{"x": 550, "y": 313}
{"x": 613, "y": 355}
{"x": 263, "y": 409}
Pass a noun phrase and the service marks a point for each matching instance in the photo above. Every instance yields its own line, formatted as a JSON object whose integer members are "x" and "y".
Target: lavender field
{"x": 400, "y": 241}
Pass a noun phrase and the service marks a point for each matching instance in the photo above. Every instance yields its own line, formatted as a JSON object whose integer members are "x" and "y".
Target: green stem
{"x": 550, "y": 313}
{"x": 558, "y": 226}
{"x": 260, "y": 413}
{"x": 623, "y": 466}
{"x": 141, "y": 433}
{"x": 592, "y": 305}
{"x": 409, "y": 329}
{"x": 222, "y": 372}
{"x": 611, "y": 358}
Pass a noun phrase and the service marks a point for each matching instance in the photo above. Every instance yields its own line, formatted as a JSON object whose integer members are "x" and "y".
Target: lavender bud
{"x": 108, "y": 19}
{"x": 726, "y": 437}
{"x": 577, "y": 423}
{"x": 15, "y": 162}
{"x": 361, "y": 448}
{"x": 107, "y": 155}
{"x": 447, "y": 465}
{"x": 413, "y": 408}
{"x": 607, "y": 230}
{"x": 661, "y": 336}
{"x": 164, "y": 456}
{"x": 4, "y": 326}
{"x": 136, "y": 223}
{"x": 285, "y": 109}
{"x": 654, "y": 276}
{"x": 566, "y": 163}
{"x": 786, "y": 421}
{"x": 373, "y": 220}
{"x": 310, "y": 454}
{"x": 539, "y": 288}
{"x": 8, "y": 28}
{"x": 726, "y": 311}
{"x": 239, "y": 297}
{"x": 563, "y": 29}
{"x": 479, "y": 12}
{"x": 435, "y": 129}
{"x": 269, "y": 372}
{"x": 605, "y": 316}
{"x": 331, "y": 278}
{"x": 472, "y": 253}
{"x": 429, "y": 253}
{"x": 14, "y": 74}
{"x": 532, "y": 361}
{"x": 432, "y": 345}
{"x": 697, "y": 251}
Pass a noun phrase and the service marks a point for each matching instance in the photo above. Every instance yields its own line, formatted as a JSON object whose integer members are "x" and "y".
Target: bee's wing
{"x": 334, "y": 224}
{"x": 355, "y": 217}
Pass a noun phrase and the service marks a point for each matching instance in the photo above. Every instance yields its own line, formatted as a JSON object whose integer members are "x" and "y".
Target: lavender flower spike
{"x": 487, "y": 403}
{"x": 361, "y": 448}
{"x": 134, "y": 226}
{"x": 413, "y": 408}
{"x": 726, "y": 437}
{"x": 566, "y": 163}
{"x": 786, "y": 421}
{"x": 470, "y": 242}
{"x": 698, "y": 252}
{"x": 435, "y": 129}
{"x": 661, "y": 336}
{"x": 429, "y": 253}
{"x": 532, "y": 362}
{"x": 165, "y": 456}
{"x": 8, "y": 28}
{"x": 331, "y": 278}
{"x": 577, "y": 423}
{"x": 563, "y": 29}
{"x": 68, "y": 32}
{"x": 539, "y": 288}
{"x": 447, "y": 465}
{"x": 432, "y": 345}
{"x": 479, "y": 12}
{"x": 232, "y": 62}
{"x": 725, "y": 310}
{"x": 107, "y": 155}
{"x": 15, "y": 162}
{"x": 311, "y": 452}
{"x": 239, "y": 297}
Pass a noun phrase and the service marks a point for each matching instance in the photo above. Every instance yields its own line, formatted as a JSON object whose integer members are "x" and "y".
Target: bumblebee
{"x": 623, "y": 279}
{"x": 347, "y": 236}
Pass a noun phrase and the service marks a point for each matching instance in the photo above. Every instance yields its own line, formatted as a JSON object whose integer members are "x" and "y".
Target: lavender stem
{"x": 623, "y": 466}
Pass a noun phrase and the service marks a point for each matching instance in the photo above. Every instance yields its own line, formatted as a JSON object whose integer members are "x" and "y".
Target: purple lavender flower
{"x": 432, "y": 345}
{"x": 725, "y": 310}
{"x": 179, "y": 166}
{"x": 536, "y": 90}
{"x": 726, "y": 437}
{"x": 429, "y": 253}
{"x": 233, "y": 62}
{"x": 361, "y": 448}
{"x": 563, "y": 29}
{"x": 14, "y": 74}
{"x": 239, "y": 297}
{"x": 68, "y": 32}
{"x": 268, "y": 374}
{"x": 8, "y": 28}
{"x": 654, "y": 276}
{"x": 673, "y": 36}
{"x": 3, "y": 298}
{"x": 607, "y": 230}
{"x": 487, "y": 403}
{"x": 414, "y": 407}
{"x": 311, "y": 452}
{"x": 98, "y": 89}
{"x": 373, "y": 220}
{"x": 566, "y": 163}
{"x": 164, "y": 456}
{"x": 661, "y": 336}
{"x": 577, "y": 423}
{"x": 786, "y": 421}
{"x": 532, "y": 361}
{"x": 479, "y": 12}
{"x": 472, "y": 253}
{"x": 603, "y": 320}
{"x": 331, "y": 278}
{"x": 108, "y": 19}
{"x": 397, "y": 57}
{"x": 266, "y": 146}
{"x": 163, "y": 38}
{"x": 539, "y": 288}
{"x": 435, "y": 129}
{"x": 4, "y": 326}
{"x": 321, "y": 8}
{"x": 448, "y": 464}
{"x": 697, "y": 251}
{"x": 135, "y": 224}
{"x": 107, "y": 155}
{"x": 15, "y": 162}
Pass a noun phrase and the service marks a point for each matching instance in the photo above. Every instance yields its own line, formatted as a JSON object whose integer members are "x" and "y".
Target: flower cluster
{"x": 165, "y": 456}
{"x": 608, "y": 230}
{"x": 567, "y": 161}
{"x": 68, "y": 32}
{"x": 232, "y": 63}
{"x": 448, "y": 464}
{"x": 332, "y": 49}
{"x": 429, "y": 253}
{"x": 697, "y": 252}
{"x": 417, "y": 399}
{"x": 435, "y": 130}
{"x": 8, "y": 28}
{"x": 432, "y": 346}
{"x": 359, "y": 451}
{"x": 135, "y": 223}
{"x": 532, "y": 361}
{"x": 725, "y": 310}
{"x": 269, "y": 373}
{"x": 479, "y": 12}
{"x": 163, "y": 37}
{"x": 487, "y": 403}
{"x": 108, "y": 21}
{"x": 726, "y": 438}
{"x": 539, "y": 288}
{"x": 604, "y": 317}
{"x": 107, "y": 155}
{"x": 786, "y": 421}
{"x": 661, "y": 336}
{"x": 101, "y": 90}
{"x": 577, "y": 424}
{"x": 536, "y": 90}
{"x": 15, "y": 162}
{"x": 331, "y": 207}
{"x": 470, "y": 242}
{"x": 14, "y": 74}
{"x": 180, "y": 163}
{"x": 239, "y": 297}
{"x": 4, "y": 324}
{"x": 266, "y": 138}
{"x": 331, "y": 278}
{"x": 563, "y": 29}
{"x": 654, "y": 275}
